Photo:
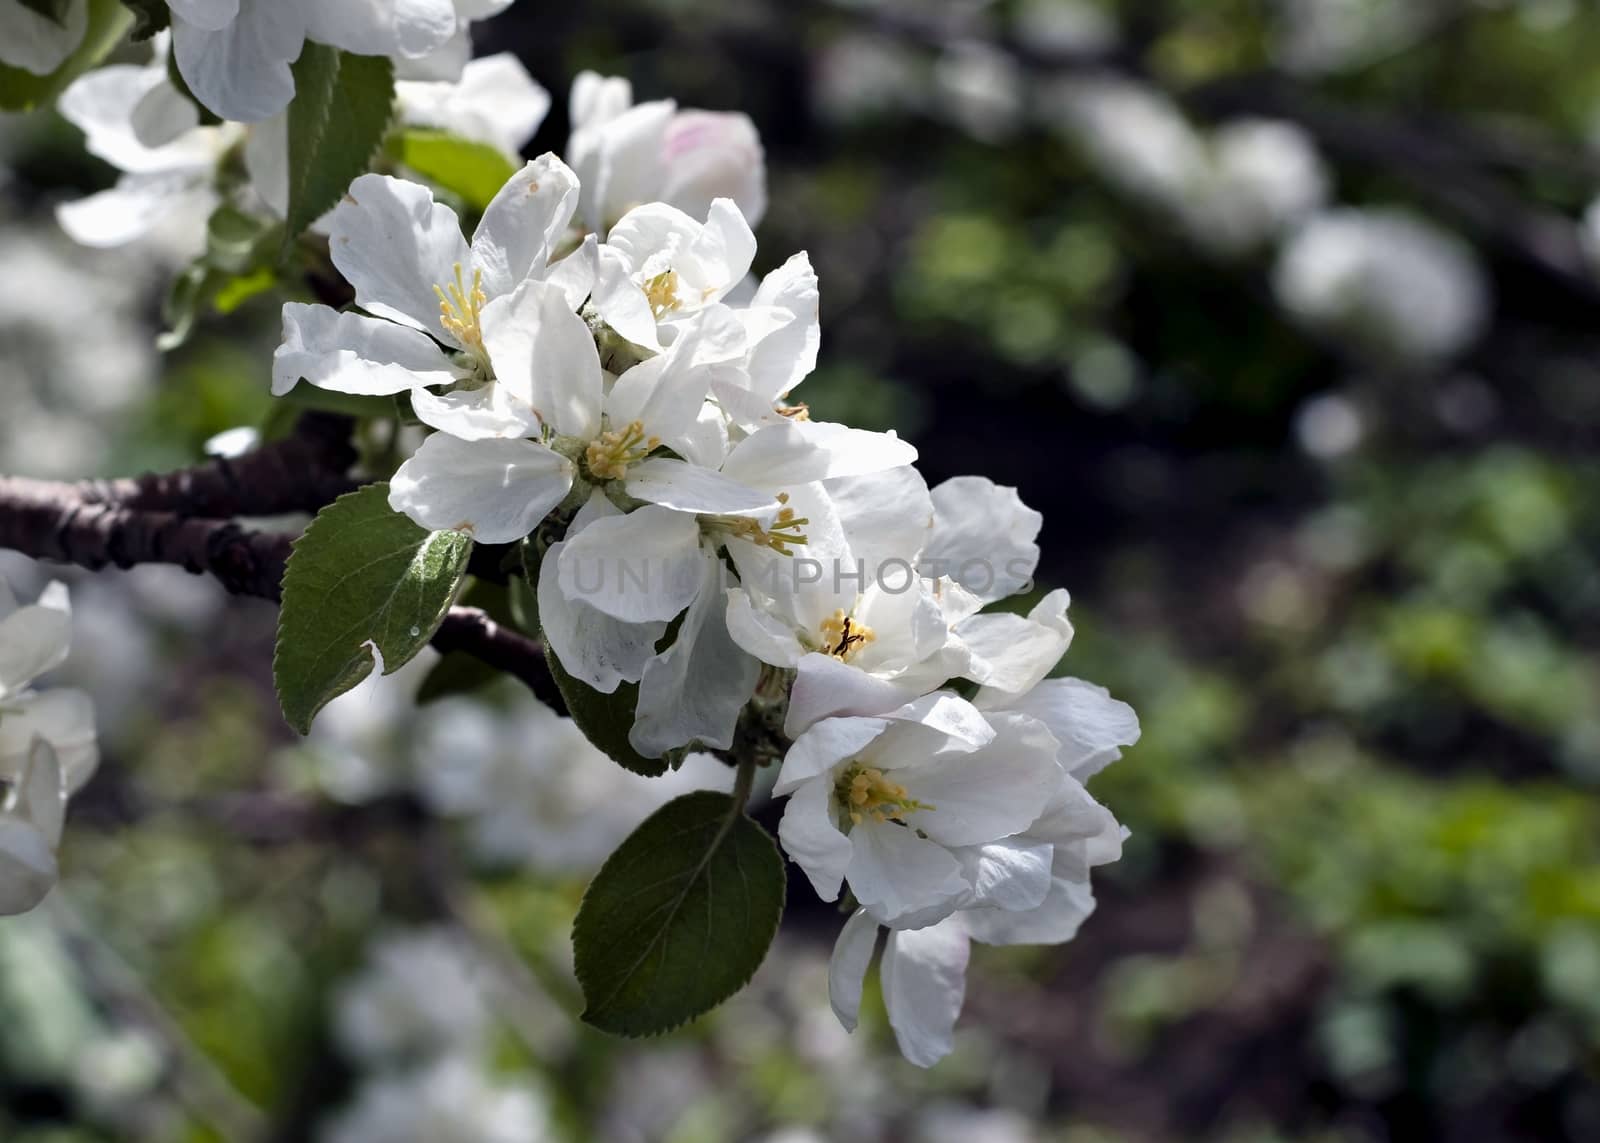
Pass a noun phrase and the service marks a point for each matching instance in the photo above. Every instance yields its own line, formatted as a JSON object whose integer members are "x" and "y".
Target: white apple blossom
{"x": 659, "y": 267}
{"x": 436, "y": 300}
{"x": 34, "y": 641}
{"x": 134, "y": 119}
{"x": 235, "y": 55}
{"x": 450, "y": 1101}
{"x": 31, "y": 811}
{"x": 36, "y": 42}
{"x": 47, "y": 744}
{"x": 495, "y": 101}
{"x": 914, "y": 809}
{"x": 628, "y": 155}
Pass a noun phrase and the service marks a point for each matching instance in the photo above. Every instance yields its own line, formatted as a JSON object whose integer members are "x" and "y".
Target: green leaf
{"x": 362, "y": 576}
{"x": 475, "y": 171}
{"x": 22, "y": 90}
{"x": 605, "y": 719}
{"x": 679, "y": 917}
{"x": 237, "y": 242}
{"x": 150, "y": 17}
{"x": 341, "y": 111}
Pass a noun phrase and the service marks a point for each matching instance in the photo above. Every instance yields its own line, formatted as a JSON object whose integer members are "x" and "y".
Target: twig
{"x": 53, "y": 520}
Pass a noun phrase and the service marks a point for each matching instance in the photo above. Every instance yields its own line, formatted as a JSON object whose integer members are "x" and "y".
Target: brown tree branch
{"x": 52, "y": 520}
{"x": 300, "y": 473}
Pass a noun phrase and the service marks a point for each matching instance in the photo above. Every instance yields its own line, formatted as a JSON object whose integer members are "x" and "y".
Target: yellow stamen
{"x": 662, "y": 291}
{"x": 864, "y": 792}
{"x": 610, "y": 456}
{"x": 843, "y": 637}
{"x": 460, "y": 309}
{"x": 800, "y": 412}
{"x": 784, "y": 531}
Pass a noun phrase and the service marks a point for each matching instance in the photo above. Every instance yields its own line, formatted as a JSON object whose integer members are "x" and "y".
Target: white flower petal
{"x": 42, "y": 793}
{"x": 993, "y": 792}
{"x": 822, "y": 747}
{"x": 924, "y": 985}
{"x": 240, "y": 69}
{"x": 689, "y": 488}
{"x": 847, "y": 968}
{"x": 27, "y": 867}
{"x": 1012, "y": 874}
{"x": 36, "y": 43}
{"x": 983, "y": 535}
{"x": 641, "y": 567}
{"x": 406, "y": 28}
{"x": 524, "y": 223}
{"x": 63, "y": 717}
{"x": 134, "y": 207}
{"x": 498, "y": 490}
{"x": 1010, "y": 652}
{"x": 592, "y": 646}
{"x": 896, "y": 874}
{"x": 352, "y": 353}
{"x": 1086, "y": 721}
{"x": 885, "y": 515}
{"x": 694, "y": 690}
{"x": 707, "y": 155}
{"x": 545, "y": 356}
{"x": 622, "y": 303}
{"x": 495, "y": 101}
{"x": 394, "y": 244}
{"x": 812, "y": 841}
{"x": 797, "y": 452}
{"x": 665, "y": 393}
{"x": 34, "y": 640}
{"x": 1056, "y": 921}
{"x": 761, "y": 633}
{"x": 825, "y": 687}
{"x": 476, "y": 414}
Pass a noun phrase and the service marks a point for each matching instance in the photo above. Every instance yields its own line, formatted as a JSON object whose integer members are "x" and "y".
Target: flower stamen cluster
{"x": 609, "y": 456}
{"x": 862, "y": 792}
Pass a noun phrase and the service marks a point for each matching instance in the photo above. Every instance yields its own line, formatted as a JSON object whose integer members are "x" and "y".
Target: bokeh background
{"x": 1286, "y": 315}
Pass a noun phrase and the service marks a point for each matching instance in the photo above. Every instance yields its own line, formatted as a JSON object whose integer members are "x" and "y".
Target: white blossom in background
{"x": 1317, "y": 37}
{"x": 1394, "y": 282}
{"x": 36, "y": 43}
{"x": 173, "y": 168}
{"x": 1265, "y": 177}
{"x": 48, "y": 747}
{"x": 1065, "y": 26}
{"x": 451, "y": 1101}
{"x": 31, "y": 814}
{"x": 955, "y": 1123}
{"x": 861, "y": 76}
{"x": 75, "y": 353}
{"x": 1232, "y": 190}
{"x": 532, "y": 791}
{"x": 495, "y": 101}
{"x": 134, "y": 119}
{"x": 629, "y": 154}
{"x": 980, "y": 89}
{"x": 1589, "y": 235}
{"x": 422, "y": 994}
{"x": 235, "y": 55}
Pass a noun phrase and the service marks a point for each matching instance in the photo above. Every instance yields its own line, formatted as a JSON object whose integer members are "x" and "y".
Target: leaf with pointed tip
{"x": 679, "y": 918}
{"x": 362, "y": 579}
{"x": 341, "y": 111}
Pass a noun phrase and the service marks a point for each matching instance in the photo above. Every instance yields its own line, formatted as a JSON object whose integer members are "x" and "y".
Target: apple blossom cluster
{"x": 48, "y": 747}
{"x": 690, "y": 530}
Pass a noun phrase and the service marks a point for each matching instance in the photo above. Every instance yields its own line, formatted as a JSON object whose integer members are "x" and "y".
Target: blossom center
{"x": 843, "y": 637}
{"x": 662, "y": 292}
{"x": 784, "y": 530}
{"x": 610, "y": 455}
{"x": 863, "y": 792}
{"x": 460, "y": 309}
